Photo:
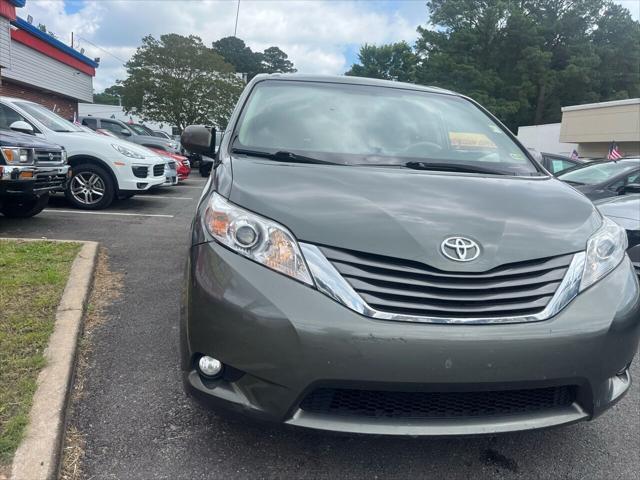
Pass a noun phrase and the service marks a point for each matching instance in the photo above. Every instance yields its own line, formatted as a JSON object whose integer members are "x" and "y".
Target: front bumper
{"x": 281, "y": 340}
{"x": 30, "y": 180}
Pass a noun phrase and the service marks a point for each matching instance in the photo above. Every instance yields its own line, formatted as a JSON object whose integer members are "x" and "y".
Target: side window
{"x": 92, "y": 123}
{"x": 8, "y": 116}
{"x": 112, "y": 127}
{"x": 558, "y": 164}
{"x": 634, "y": 177}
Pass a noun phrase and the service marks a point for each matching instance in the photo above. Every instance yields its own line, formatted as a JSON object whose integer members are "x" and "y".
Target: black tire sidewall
{"x": 109, "y": 187}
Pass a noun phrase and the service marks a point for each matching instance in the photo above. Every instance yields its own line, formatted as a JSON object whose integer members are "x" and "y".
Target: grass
{"x": 32, "y": 278}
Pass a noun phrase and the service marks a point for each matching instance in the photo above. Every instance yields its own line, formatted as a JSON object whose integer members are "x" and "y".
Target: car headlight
{"x": 126, "y": 152}
{"x": 63, "y": 157}
{"x": 255, "y": 237}
{"x": 605, "y": 250}
{"x": 16, "y": 156}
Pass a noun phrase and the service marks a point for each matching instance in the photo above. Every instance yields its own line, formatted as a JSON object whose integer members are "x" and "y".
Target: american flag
{"x": 614, "y": 152}
{"x": 574, "y": 155}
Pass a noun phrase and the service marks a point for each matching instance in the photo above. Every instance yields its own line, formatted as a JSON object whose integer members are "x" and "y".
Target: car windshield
{"x": 140, "y": 129}
{"x": 597, "y": 172}
{"x": 47, "y": 118}
{"x": 356, "y": 124}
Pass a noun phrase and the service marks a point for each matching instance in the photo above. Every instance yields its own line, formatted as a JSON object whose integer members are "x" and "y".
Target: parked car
{"x": 30, "y": 169}
{"x": 104, "y": 168}
{"x": 130, "y": 132}
{"x": 353, "y": 269}
{"x": 605, "y": 178}
{"x": 556, "y": 164}
{"x": 183, "y": 167}
{"x": 625, "y": 211}
{"x": 161, "y": 134}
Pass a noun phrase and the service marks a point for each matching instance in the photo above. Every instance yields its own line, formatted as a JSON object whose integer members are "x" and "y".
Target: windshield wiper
{"x": 454, "y": 167}
{"x": 282, "y": 156}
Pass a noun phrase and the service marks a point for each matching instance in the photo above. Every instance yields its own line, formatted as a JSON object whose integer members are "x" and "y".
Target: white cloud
{"x": 315, "y": 34}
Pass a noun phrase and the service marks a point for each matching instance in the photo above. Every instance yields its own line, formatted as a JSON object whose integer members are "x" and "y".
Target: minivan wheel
{"x": 24, "y": 207}
{"x": 90, "y": 187}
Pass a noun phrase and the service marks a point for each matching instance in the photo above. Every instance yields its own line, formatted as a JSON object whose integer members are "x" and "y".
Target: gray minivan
{"x": 386, "y": 258}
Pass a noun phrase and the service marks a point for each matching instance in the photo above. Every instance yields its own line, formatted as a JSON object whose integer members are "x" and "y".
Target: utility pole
{"x": 235, "y": 30}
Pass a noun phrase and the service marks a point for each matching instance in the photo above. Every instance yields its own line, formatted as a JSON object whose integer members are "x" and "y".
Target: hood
{"x": 624, "y": 209}
{"x": 86, "y": 142}
{"x": 9, "y": 138}
{"x": 408, "y": 213}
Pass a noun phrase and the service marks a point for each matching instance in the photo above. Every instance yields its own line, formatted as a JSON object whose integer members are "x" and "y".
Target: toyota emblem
{"x": 460, "y": 249}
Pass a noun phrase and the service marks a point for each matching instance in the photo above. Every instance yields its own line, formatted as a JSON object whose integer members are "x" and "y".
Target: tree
{"x": 178, "y": 80}
{"x": 395, "y": 61}
{"x": 245, "y": 60}
{"x": 275, "y": 60}
{"x": 110, "y": 96}
{"x": 238, "y": 54}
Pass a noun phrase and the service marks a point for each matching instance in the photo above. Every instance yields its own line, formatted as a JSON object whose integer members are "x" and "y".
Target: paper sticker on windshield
{"x": 517, "y": 156}
{"x": 495, "y": 129}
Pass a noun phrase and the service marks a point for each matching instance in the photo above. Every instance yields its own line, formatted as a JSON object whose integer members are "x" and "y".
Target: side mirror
{"x": 125, "y": 132}
{"x": 21, "y": 126}
{"x": 199, "y": 139}
{"x": 631, "y": 188}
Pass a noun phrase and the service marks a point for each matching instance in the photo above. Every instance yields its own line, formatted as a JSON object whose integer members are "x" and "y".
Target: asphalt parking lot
{"x": 139, "y": 425}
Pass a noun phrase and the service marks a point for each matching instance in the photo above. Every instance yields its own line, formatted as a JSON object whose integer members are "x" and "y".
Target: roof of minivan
{"x": 374, "y": 82}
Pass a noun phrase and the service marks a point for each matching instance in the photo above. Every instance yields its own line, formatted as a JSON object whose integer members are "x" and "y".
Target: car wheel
{"x": 24, "y": 208}
{"x": 90, "y": 187}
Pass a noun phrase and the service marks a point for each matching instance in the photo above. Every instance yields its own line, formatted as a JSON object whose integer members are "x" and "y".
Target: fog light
{"x": 209, "y": 366}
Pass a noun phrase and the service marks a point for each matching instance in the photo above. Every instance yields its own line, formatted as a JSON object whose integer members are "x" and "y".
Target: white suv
{"x": 104, "y": 168}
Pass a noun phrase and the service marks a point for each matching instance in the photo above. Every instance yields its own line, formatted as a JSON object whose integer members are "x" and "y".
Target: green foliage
{"x": 522, "y": 59}
{"x": 245, "y": 60}
{"x": 395, "y": 61}
{"x": 178, "y": 80}
{"x": 110, "y": 96}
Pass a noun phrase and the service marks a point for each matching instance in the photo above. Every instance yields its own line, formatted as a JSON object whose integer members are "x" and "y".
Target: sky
{"x": 320, "y": 36}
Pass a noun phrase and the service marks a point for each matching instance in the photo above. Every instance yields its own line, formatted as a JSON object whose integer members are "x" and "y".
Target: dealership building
{"x": 36, "y": 66}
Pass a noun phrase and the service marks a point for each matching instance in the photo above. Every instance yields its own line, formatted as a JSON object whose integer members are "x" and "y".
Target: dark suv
{"x": 30, "y": 169}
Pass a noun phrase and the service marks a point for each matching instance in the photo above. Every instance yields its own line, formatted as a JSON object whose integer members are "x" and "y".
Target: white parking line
{"x": 163, "y": 196}
{"x": 121, "y": 214}
{"x": 189, "y": 186}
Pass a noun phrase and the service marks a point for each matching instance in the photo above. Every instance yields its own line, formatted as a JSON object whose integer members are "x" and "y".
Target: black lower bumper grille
{"x": 50, "y": 182}
{"x": 423, "y": 405}
{"x": 158, "y": 170}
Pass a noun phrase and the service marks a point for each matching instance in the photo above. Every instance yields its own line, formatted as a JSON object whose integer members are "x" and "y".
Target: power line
{"x": 100, "y": 48}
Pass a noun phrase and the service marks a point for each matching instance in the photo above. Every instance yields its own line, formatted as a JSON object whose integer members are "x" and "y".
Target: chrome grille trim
{"x": 330, "y": 282}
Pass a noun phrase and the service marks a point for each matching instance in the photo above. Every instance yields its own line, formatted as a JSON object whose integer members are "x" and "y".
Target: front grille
{"x": 140, "y": 171}
{"x": 400, "y": 286}
{"x": 43, "y": 156}
{"x": 158, "y": 170}
{"x": 49, "y": 182}
{"x": 423, "y": 405}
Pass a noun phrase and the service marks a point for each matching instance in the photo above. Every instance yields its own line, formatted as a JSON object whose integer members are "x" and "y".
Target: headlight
{"x": 255, "y": 237}
{"x": 64, "y": 156}
{"x": 126, "y": 152}
{"x": 605, "y": 251}
{"x": 16, "y": 156}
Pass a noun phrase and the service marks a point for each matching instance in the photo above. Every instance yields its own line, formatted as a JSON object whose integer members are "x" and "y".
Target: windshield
{"x": 354, "y": 124}
{"x": 140, "y": 129}
{"x": 597, "y": 172}
{"x": 47, "y": 118}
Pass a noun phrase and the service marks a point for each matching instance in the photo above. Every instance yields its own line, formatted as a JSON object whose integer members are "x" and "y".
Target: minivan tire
{"x": 96, "y": 179}
{"x": 24, "y": 207}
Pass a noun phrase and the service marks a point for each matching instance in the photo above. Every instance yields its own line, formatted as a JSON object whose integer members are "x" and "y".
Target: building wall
{"x": 545, "y": 138}
{"x": 5, "y": 42}
{"x": 39, "y": 71}
{"x": 63, "y": 106}
{"x": 600, "y": 149}
{"x": 617, "y": 121}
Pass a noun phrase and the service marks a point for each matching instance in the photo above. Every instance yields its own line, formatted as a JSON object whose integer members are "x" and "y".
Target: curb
{"x": 39, "y": 453}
